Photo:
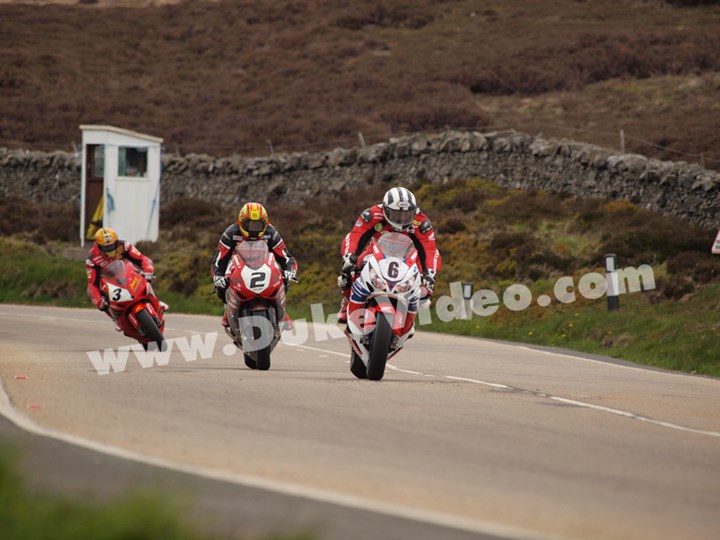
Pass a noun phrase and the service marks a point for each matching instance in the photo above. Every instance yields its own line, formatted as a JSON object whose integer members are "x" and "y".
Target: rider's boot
{"x": 342, "y": 314}
{"x": 287, "y": 323}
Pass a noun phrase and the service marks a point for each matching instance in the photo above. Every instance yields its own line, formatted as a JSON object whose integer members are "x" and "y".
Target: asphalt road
{"x": 463, "y": 438}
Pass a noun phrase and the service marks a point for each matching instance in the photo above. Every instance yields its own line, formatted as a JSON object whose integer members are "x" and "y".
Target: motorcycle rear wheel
{"x": 150, "y": 328}
{"x": 380, "y": 348}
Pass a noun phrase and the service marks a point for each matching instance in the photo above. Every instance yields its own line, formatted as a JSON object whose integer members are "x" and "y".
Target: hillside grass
{"x": 226, "y": 77}
{"x": 488, "y": 235}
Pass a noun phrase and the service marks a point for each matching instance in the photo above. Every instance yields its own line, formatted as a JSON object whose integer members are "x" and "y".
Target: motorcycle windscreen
{"x": 253, "y": 253}
{"x": 396, "y": 245}
{"x": 115, "y": 271}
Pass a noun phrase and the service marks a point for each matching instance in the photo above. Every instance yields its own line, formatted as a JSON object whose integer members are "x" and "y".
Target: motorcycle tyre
{"x": 380, "y": 348}
{"x": 151, "y": 329}
{"x": 357, "y": 367}
{"x": 262, "y": 356}
{"x": 249, "y": 362}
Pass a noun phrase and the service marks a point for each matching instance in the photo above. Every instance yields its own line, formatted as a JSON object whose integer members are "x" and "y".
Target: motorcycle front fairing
{"x": 128, "y": 292}
{"x": 256, "y": 287}
{"x": 389, "y": 284}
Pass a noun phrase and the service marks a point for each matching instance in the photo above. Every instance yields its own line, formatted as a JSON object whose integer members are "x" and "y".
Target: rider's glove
{"x": 428, "y": 280}
{"x": 104, "y": 306}
{"x": 291, "y": 275}
{"x": 344, "y": 282}
{"x": 349, "y": 262}
{"x": 148, "y": 275}
{"x": 220, "y": 282}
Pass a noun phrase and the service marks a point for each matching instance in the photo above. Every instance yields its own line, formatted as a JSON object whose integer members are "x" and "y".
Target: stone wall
{"x": 511, "y": 159}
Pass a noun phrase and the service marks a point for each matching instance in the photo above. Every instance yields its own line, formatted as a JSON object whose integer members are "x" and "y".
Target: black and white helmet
{"x": 399, "y": 207}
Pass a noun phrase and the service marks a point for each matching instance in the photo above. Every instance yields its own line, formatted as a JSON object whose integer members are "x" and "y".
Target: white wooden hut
{"x": 120, "y": 183}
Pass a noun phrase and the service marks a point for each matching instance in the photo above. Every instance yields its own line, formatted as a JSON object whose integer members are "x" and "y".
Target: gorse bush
{"x": 693, "y": 3}
{"x": 43, "y": 222}
{"x": 590, "y": 58}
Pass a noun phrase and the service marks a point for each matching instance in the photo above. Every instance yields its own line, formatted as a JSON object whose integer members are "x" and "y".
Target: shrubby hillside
{"x": 228, "y": 77}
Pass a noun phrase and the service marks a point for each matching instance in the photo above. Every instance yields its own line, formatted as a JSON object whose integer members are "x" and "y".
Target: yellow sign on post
{"x": 96, "y": 221}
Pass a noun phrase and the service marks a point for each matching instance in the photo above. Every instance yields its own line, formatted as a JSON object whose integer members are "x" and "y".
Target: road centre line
{"x": 635, "y": 416}
{"x": 618, "y": 412}
{"x": 476, "y": 381}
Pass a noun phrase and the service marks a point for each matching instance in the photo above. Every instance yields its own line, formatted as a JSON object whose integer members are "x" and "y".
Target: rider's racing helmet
{"x": 107, "y": 242}
{"x": 399, "y": 208}
{"x": 253, "y": 220}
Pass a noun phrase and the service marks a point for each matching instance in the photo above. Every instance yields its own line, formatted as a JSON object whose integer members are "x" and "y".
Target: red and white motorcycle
{"x": 133, "y": 304}
{"x": 254, "y": 302}
{"x": 391, "y": 276}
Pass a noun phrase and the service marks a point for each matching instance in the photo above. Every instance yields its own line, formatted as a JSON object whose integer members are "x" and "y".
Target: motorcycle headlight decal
{"x": 377, "y": 281}
{"x": 405, "y": 286}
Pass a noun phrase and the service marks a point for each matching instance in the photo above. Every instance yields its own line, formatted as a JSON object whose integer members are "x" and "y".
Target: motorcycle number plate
{"x": 118, "y": 294}
{"x": 393, "y": 269}
{"x": 257, "y": 280}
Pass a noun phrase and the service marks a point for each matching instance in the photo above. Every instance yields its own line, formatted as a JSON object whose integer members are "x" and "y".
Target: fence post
{"x": 613, "y": 284}
{"x": 361, "y": 139}
{"x": 467, "y": 288}
{"x": 622, "y": 141}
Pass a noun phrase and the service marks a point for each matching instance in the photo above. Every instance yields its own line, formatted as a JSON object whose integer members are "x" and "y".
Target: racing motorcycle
{"x": 376, "y": 332}
{"x": 132, "y": 303}
{"x": 254, "y": 300}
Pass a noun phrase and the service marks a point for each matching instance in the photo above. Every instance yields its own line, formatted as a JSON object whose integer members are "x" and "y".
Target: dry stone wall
{"x": 512, "y": 159}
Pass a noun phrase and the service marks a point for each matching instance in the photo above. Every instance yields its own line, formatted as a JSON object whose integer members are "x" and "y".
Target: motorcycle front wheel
{"x": 261, "y": 357}
{"x": 357, "y": 367}
{"x": 380, "y": 348}
{"x": 150, "y": 328}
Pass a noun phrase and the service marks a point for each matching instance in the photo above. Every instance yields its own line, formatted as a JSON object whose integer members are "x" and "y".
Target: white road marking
{"x": 346, "y": 355}
{"x": 635, "y": 416}
{"x": 51, "y": 318}
{"x": 618, "y": 412}
{"x": 285, "y": 488}
{"x": 476, "y": 381}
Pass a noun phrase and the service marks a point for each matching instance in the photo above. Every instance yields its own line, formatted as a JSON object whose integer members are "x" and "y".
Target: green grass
{"x": 33, "y": 274}
{"x": 31, "y": 516}
{"x": 141, "y": 515}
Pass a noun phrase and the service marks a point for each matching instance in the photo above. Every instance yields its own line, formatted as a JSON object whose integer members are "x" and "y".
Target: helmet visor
{"x": 254, "y": 227}
{"x": 109, "y": 249}
{"x": 400, "y": 217}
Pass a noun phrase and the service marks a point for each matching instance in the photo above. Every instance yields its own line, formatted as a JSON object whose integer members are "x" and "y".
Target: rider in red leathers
{"x": 397, "y": 213}
{"x": 106, "y": 249}
{"x": 252, "y": 225}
